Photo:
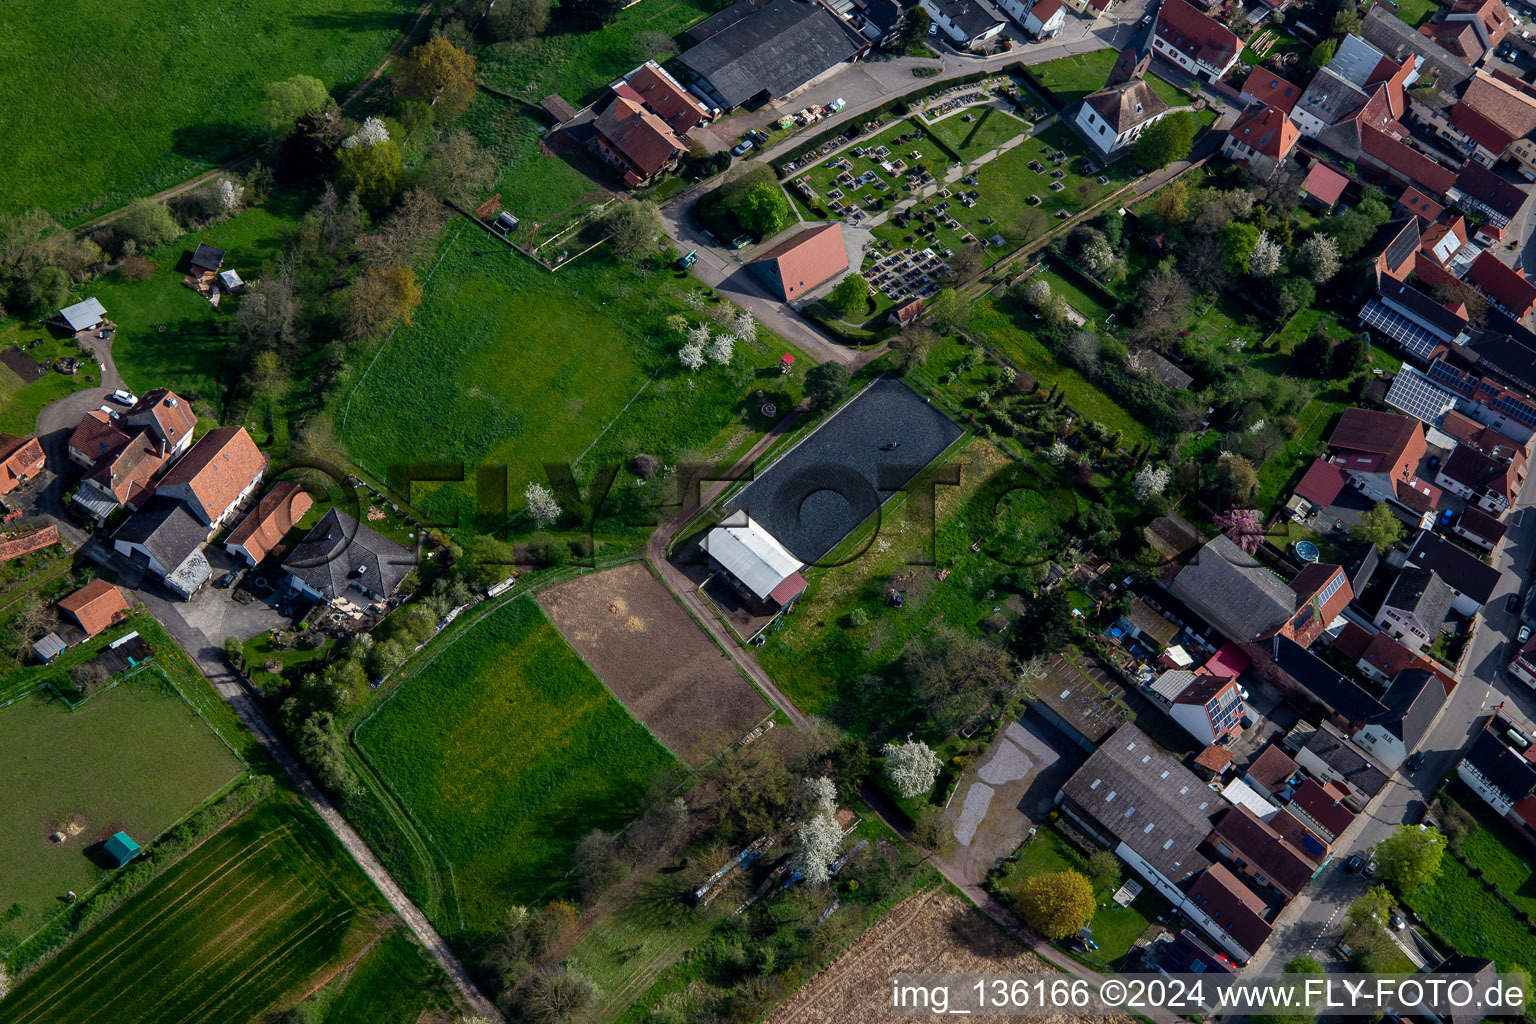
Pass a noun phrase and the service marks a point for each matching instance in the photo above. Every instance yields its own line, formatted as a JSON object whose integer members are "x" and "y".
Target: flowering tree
{"x": 1319, "y": 256}
{"x": 542, "y": 505}
{"x": 819, "y": 795}
{"x": 229, "y": 195}
{"x": 1060, "y": 452}
{"x": 1151, "y": 480}
{"x": 698, "y": 335}
{"x": 692, "y": 355}
{"x": 373, "y": 132}
{"x": 1242, "y": 526}
{"x": 911, "y": 767}
{"x": 1264, "y": 261}
{"x": 722, "y": 348}
{"x": 816, "y": 843}
{"x": 1097, "y": 255}
{"x": 744, "y": 326}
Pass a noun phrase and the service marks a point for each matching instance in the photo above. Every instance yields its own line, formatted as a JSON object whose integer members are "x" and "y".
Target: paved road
{"x": 1311, "y": 923}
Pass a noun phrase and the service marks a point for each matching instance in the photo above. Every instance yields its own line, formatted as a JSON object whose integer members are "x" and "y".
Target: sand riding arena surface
{"x": 934, "y": 932}
{"x": 656, "y": 659}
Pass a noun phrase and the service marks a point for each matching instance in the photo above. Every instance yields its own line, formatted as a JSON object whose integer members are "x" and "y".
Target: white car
{"x": 1525, "y": 634}
{"x": 110, "y": 411}
{"x": 125, "y": 397}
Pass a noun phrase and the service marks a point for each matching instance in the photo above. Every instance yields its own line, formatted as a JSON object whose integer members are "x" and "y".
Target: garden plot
{"x": 656, "y": 659}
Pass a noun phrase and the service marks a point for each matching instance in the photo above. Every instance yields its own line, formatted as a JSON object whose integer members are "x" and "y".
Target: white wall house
{"x": 965, "y": 22}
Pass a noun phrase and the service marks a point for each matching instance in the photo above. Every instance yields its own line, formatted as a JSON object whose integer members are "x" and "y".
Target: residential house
{"x": 121, "y": 477}
{"x": 1329, "y": 99}
{"x": 264, "y": 527}
{"x": 21, "y": 459}
{"x": 1472, "y": 581}
{"x": 167, "y": 539}
{"x": 656, "y": 90}
{"x": 966, "y": 23}
{"x": 1195, "y": 42}
{"x": 636, "y": 142}
{"x": 1414, "y": 610}
{"x": 804, "y": 261}
{"x": 1090, "y": 9}
{"x": 1322, "y": 808}
{"x": 1293, "y": 669}
{"x": 340, "y": 555}
{"x": 1479, "y": 527}
{"x": 1264, "y": 86}
{"x": 1383, "y": 658}
{"x": 1208, "y": 708}
{"x": 1388, "y": 153}
{"x": 1472, "y": 29}
{"x": 1040, "y": 18}
{"x": 1381, "y": 452}
{"x": 1141, "y": 802}
{"x": 1272, "y": 773}
{"x": 1411, "y": 705}
{"x": 169, "y": 420}
{"x": 1331, "y": 755}
{"x": 1498, "y": 768}
{"x": 223, "y": 469}
{"x": 1403, "y": 314}
{"x": 1487, "y": 440}
{"x": 97, "y": 437}
{"x": 1384, "y": 30}
{"x": 96, "y": 606}
{"x": 1523, "y": 667}
{"x": 1416, "y": 203}
{"x": 1480, "y": 189}
{"x": 1482, "y": 480}
{"x": 1505, "y": 286}
{"x": 84, "y": 316}
{"x": 1262, "y": 856}
{"x": 1186, "y": 953}
{"x": 1493, "y": 111}
{"x": 1229, "y": 912}
{"x": 1247, "y": 602}
{"x": 1442, "y": 240}
{"x": 1319, "y": 488}
{"x": 761, "y": 50}
{"x": 1443, "y": 387}
{"x": 1396, "y": 260}
{"x": 1262, "y": 139}
{"x": 1115, "y": 116}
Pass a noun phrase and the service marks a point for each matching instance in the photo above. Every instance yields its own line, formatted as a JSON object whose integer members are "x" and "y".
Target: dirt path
{"x": 208, "y": 176}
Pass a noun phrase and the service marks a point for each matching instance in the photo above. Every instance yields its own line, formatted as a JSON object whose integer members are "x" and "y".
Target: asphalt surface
{"x": 838, "y": 475}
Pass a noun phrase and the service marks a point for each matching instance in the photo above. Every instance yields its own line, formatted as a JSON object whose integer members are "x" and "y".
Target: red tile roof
{"x": 1493, "y": 15}
{"x": 1322, "y": 483}
{"x": 639, "y": 136}
{"x": 217, "y": 469}
{"x": 667, "y": 98}
{"x": 1183, "y": 27}
{"x": 1266, "y": 129}
{"x": 806, "y": 259}
{"x": 95, "y": 606}
{"x": 1323, "y": 807}
{"x": 20, "y": 458}
{"x": 1411, "y": 164}
{"x": 1459, "y": 37}
{"x": 126, "y": 472}
{"x": 1420, "y": 205}
{"x": 1214, "y": 758}
{"x": 1380, "y": 433}
{"x": 1324, "y": 183}
{"x": 1232, "y": 905}
{"x": 1503, "y": 284}
{"x": 1267, "y": 87}
{"x": 1272, "y": 768}
{"x": 165, "y": 413}
{"x": 1352, "y": 641}
{"x": 1251, "y": 839}
{"x": 97, "y": 435}
{"x": 276, "y": 513}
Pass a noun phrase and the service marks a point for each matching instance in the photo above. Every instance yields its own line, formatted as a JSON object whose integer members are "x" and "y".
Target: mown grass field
{"x": 134, "y": 758}
{"x": 240, "y": 924}
{"x": 507, "y": 749}
{"x": 990, "y": 128}
{"x": 523, "y": 367}
{"x": 160, "y": 90}
{"x": 393, "y": 983}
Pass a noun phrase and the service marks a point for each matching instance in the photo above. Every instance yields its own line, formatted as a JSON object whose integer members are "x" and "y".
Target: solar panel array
{"x": 1445, "y": 373}
{"x": 1413, "y": 393}
{"x": 1414, "y": 339}
{"x": 1515, "y": 408}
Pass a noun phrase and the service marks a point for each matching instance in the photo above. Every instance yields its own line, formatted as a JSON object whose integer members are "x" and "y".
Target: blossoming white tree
{"x": 230, "y": 195}
{"x": 1060, "y": 452}
{"x": 1151, "y": 480}
{"x": 692, "y": 355}
{"x": 542, "y": 505}
{"x": 744, "y": 326}
{"x": 819, "y": 795}
{"x": 722, "y": 349}
{"x": 1264, "y": 261}
{"x": 373, "y": 132}
{"x": 911, "y": 767}
{"x": 816, "y": 843}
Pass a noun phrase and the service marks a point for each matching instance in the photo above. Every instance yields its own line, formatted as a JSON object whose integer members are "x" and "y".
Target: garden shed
{"x": 120, "y": 849}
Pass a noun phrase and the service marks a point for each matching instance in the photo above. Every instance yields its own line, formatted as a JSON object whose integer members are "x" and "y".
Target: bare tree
{"x": 558, "y": 995}
{"x": 270, "y": 315}
{"x": 407, "y": 234}
{"x": 458, "y": 168}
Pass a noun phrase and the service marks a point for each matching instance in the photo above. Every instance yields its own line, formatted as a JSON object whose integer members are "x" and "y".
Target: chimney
{"x": 162, "y": 447}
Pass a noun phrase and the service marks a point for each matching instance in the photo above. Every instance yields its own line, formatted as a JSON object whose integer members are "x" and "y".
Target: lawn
{"x": 1115, "y": 928}
{"x": 987, "y": 129}
{"x": 1415, "y": 12}
{"x": 1069, "y": 79}
{"x": 394, "y": 983}
{"x": 1472, "y": 920}
{"x": 135, "y": 758}
{"x": 161, "y": 90}
{"x": 1001, "y": 325}
{"x": 246, "y": 920}
{"x": 506, "y": 749}
{"x": 21, "y": 399}
{"x": 522, "y": 368}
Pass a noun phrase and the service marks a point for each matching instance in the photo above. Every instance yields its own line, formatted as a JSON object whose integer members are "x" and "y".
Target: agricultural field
{"x": 134, "y": 758}
{"x": 394, "y": 982}
{"x": 162, "y": 90}
{"x": 238, "y": 926}
{"x": 506, "y": 750}
{"x": 655, "y": 658}
{"x": 934, "y": 932}
{"x": 487, "y": 345}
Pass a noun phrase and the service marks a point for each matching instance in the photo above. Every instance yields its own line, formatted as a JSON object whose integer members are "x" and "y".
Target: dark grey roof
{"x": 340, "y": 551}
{"x": 883, "y": 14}
{"x": 166, "y": 529}
{"x": 1423, "y": 593}
{"x": 1352, "y": 763}
{"x": 1504, "y": 354}
{"x": 772, "y": 47}
{"x": 1474, "y": 577}
{"x": 1404, "y": 244}
{"x": 1145, "y": 798}
{"x": 973, "y": 17}
{"x": 1343, "y": 696}
{"x": 1397, "y": 39}
{"x": 1330, "y": 98}
{"x": 1360, "y": 565}
{"x": 1412, "y": 702}
{"x": 49, "y": 647}
{"x": 1423, "y": 308}
{"x": 1233, "y": 592}
{"x": 1499, "y": 195}
{"x": 1501, "y": 767}
{"x": 208, "y": 256}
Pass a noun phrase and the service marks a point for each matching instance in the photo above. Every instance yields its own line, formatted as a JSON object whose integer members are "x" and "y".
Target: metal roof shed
{"x": 48, "y": 648}
{"x": 751, "y": 554}
{"x": 120, "y": 848}
{"x": 83, "y": 315}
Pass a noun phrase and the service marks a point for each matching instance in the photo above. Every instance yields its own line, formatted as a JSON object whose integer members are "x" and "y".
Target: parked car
{"x": 1512, "y": 602}
{"x": 1524, "y": 635}
{"x": 110, "y": 411}
{"x": 933, "y": 29}
{"x": 1370, "y": 869}
{"x": 228, "y": 579}
{"x": 1416, "y": 762}
{"x": 1398, "y": 924}
{"x": 1353, "y": 864}
{"x": 743, "y": 147}
{"x": 125, "y": 397}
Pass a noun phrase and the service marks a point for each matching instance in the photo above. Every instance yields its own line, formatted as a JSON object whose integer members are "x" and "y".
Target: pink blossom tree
{"x": 1242, "y": 526}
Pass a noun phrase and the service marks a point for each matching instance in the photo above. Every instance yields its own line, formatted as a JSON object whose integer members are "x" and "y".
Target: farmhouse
{"x": 166, "y": 539}
{"x": 766, "y": 50}
{"x": 636, "y": 141}
{"x": 21, "y": 458}
{"x": 804, "y": 261}
{"x": 95, "y": 606}
{"x": 755, "y": 562}
{"x": 264, "y": 527}
{"x": 85, "y": 315}
{"x": 123, "y": 471}
{"x": 221, "y": 471}
{"x": 1196, "y": 43}
{"x": 1246, "y": 602}
{"x": 341, "y": 554}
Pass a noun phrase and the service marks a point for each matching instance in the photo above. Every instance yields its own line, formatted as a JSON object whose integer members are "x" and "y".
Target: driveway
{"x": 54, "y": 425}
